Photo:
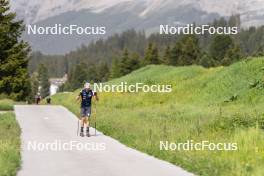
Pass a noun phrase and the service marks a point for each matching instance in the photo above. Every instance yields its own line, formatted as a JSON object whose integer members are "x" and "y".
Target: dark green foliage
{"x": 115, "y": 69}
{"x": 206, "y": 61}
{"x": 167, "y": 56}
{"x": 43, "y": 78}
{"x": 124, "y": 63}
{"x": 77, "y": 77}
{"x": 103, "y": 72}
{"x": 148, "y": 54}
{"x": 219, "y": 47}
{"x": 57, "y": 65}
{"x": 224, "y": 50}
{"x": 134, "y": 62}
{"x": 151, "y": 55}
{"x": 92, "y": 73}
{"x": 186, "y": 51}
{"x": 14, "y": 78}
{"x": 232, "y": 55}
{"x": 175, "y": 54}
{"x": 101, "y": 51}
{"x": 155, "y": 56}
{"x": 82, "y": 73}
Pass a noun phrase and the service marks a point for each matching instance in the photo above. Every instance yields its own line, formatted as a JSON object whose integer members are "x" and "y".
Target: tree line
{"x": 122, "y": 53}
{"x": 21, "y": 75}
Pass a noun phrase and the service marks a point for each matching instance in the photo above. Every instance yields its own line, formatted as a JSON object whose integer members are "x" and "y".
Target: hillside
{"x": 223, "y": 104}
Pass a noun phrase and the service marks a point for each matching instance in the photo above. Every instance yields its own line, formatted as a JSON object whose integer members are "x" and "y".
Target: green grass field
{"x": 223, "y": 104}
{"x": 6, "y": 105}
{"x": 9, "y": 145}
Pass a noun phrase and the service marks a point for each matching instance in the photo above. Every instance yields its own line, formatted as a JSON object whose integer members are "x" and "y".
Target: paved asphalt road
{"x": 49, "y": 127}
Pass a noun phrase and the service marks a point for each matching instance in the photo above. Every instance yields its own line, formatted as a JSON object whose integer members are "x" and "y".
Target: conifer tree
{"x": 175, "y": 54}
{"x": 155, "y": 56}
{"x": 103, "y": 72}
{"x": 134, "y": 62}
{"x": 219, "y": 47}
{"x": 206, "y": 61}
{"x": 90, "y": 73}
{"x": 167, "y": 56}
{"x": 186, "y": 51}
{"x": 124, "y": 63}
{"x": 232, "y": 55}
{"x": 151, "y": 55}
{"x": 79, "y": 76}
{"x": 14, "y": 77}
{"x": 148, "y": 53}
{"x": 115, "y": 69}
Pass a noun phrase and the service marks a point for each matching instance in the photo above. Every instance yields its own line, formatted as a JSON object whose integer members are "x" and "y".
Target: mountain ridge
{"x": 34, "y": 10}
{"x": 120, "y": 15}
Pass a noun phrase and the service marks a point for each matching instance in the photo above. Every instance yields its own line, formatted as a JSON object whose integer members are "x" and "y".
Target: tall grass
{"x": 9, "y": 145}
{"x": 217, "y": 104}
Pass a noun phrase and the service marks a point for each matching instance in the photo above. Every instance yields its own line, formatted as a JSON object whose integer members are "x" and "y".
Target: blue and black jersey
{"x": 86, "y": 96}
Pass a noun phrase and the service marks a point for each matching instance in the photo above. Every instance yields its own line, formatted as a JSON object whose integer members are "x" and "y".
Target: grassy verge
{"x": 9, "y": 145}
{"x": 220, "y": 105}
{"x": 6, "y": 105}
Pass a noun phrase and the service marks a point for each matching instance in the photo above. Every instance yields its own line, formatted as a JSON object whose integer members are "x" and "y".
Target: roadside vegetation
{"x": 14, "y": 77}
{"x": 9, "y": 144}
{"x": 222, "y": 104}
{"x": 6, "y": 105}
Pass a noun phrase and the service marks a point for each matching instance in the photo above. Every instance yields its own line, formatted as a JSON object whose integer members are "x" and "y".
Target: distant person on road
{"x": 37, "y": 98}
{"x": 86, "y": 96}
{"x": 48, "y": 100}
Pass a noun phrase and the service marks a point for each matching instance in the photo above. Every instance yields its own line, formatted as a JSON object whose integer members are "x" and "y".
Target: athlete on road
{"x": 86, "y": 96}
{"x": 37, "y": 98}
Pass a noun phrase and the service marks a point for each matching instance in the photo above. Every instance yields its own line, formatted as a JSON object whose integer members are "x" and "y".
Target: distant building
{"x": 55, "y": 83}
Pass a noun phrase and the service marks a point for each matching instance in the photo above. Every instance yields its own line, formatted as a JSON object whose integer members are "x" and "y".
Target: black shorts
{"x": 86, "y": 111}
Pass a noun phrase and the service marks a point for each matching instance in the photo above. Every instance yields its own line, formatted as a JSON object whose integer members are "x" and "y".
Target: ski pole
{"x": 78, "y": 126}
{"x": 95, "y": 118}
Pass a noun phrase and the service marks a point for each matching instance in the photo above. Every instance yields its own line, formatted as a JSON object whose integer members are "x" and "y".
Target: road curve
{"x": 104, "y": 156}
